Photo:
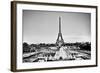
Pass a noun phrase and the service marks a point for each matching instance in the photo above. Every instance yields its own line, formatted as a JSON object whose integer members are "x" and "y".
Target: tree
{"x": 26, "y": 47}
{"x": 86, "y": 46}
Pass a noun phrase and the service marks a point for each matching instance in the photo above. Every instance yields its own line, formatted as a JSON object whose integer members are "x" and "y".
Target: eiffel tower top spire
{"x": 59, "y": 24}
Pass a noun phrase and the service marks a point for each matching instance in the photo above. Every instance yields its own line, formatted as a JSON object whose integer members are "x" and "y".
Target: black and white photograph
{"x": 56, "y": 36}
{"x": 53, "y": 36}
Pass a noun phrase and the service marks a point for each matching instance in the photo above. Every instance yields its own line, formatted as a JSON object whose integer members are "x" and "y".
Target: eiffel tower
{"x": 59, "y": 41}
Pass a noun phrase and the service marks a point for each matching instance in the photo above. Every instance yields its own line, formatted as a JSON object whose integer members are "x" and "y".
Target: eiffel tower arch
{"x": 59, "y": 41}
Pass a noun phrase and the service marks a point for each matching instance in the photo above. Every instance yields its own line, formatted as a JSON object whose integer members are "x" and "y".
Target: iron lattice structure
{"x": 59, "y": 41}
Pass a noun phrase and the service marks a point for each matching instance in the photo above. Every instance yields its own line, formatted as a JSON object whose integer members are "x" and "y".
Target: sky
{"x": 43, "y": 26}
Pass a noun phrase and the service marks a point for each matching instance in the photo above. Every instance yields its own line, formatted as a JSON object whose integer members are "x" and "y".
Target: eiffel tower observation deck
{"x": 59, "y": 41}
